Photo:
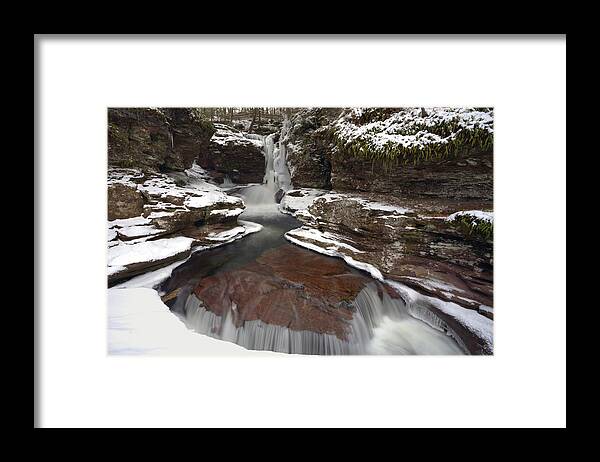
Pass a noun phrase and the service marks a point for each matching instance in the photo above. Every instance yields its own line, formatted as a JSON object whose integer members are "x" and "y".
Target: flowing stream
{"x": 381, "y": 324}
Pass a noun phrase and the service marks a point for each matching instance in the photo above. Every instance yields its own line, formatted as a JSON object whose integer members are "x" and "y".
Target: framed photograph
{"x": 333, "y": 223}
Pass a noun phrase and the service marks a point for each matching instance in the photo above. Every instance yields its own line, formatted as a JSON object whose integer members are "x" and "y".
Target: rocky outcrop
{"x": 124, "y": 201}
{"x": 147, "y": 211}
{"x": 468, "y": 176}
{"x": 410, "y": 241}
{"x": 156, "y": 138}
{"x": 309, "y": 146}
{"x": 234, "y": 154}
{"x": 404, "y": 152}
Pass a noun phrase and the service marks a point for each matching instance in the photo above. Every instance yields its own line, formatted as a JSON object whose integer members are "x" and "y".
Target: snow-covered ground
{"x": 139, "y": 323}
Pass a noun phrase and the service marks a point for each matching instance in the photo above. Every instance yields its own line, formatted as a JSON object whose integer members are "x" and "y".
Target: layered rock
{"x": 409, "y": 241}
{"x": 404, "y": 152}
{"x": 124, "y": 201}
{"x": 414, "y": 152}
{"x": 234, "y": 154}
{"x": 156, "y": 138}
{"x": 163, "y": 221}
{"x": 466, "y": 177}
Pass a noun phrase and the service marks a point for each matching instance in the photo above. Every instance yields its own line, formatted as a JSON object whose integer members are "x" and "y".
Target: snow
{"x": 122, "y": 255}
{"x": 478, "y": 324}
{"x": 227, "y": 212}
{"x": 126, "y": 222}
{"x": 138, "y": 231}
{"x": 475, "y": 214}
{"x": 367, "y": 204}
{"x": 486, "y": 309}
{"x": 151, "y": 279}
{"x": 139, "y": 323}
{"x": 210, "y": 198}
{"x": 296, "y": 237}
{"x": 327, "y": 238}
{"x": 294, "y": 204}
{"x": 111, "y": 234}
{"x": 160, "y": 215}
{"x": 115, "y": 269}
{"x": 436, "y": 284}
{"x": 250, "y": 226}
{"x": 227, "y": 235}
{"x": 226, "y": 135}
{"x": 408, "y": 128}
{"x": 384, "y": 207}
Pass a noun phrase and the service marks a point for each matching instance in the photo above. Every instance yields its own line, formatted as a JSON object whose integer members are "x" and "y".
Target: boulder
{"x": 234, "y": 154}
{"x": 124, "y": 201}
{"x": 287, "y": 286}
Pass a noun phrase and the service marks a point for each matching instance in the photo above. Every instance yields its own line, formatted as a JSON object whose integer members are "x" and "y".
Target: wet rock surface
{"x": 287, "y": 286}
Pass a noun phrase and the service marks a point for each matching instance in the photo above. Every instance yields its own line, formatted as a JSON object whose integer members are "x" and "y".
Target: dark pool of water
{"x": 230, "y": 256}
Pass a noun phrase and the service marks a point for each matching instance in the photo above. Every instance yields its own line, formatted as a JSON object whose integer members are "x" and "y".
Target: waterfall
{"x": 284, "y": 180}
{"x": 381, "y": 325}
{"x": 227, "y": 183}
{"x": 261, "y": 198}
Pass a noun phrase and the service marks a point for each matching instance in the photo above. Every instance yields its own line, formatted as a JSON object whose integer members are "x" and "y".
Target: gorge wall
{"x": 317, "y": 159}
{"x": 156, "y": 138}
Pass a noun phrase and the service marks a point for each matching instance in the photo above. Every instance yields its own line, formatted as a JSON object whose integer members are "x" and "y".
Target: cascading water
{"x": 260, "y": 199}
{"x": 381, "y": 325}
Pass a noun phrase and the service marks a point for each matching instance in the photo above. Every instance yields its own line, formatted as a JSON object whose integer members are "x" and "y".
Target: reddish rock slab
{"x": 287, "y": 286}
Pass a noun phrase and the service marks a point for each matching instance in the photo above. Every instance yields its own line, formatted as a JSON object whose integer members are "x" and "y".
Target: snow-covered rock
{"x": 182, "y": 207}
{"x": 234, "y": 156}
{"x": 297, "y": 201}
{"x": 408, "y": 241}
{"x": 472, "y": 214}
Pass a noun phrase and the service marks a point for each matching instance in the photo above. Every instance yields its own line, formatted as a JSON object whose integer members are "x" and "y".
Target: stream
{"x": 381, "y": 324}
